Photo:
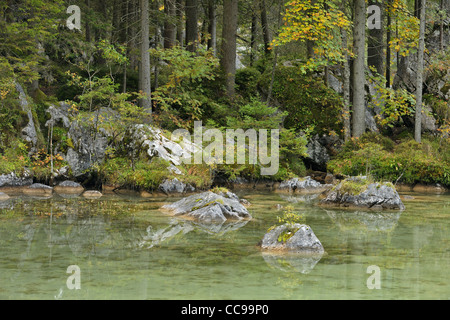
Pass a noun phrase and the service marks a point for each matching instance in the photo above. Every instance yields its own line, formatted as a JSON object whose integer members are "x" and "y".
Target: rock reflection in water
{"x": 178, "y": 226}
{"x": 292, "y": 262}
{"x": 299, "y": 197}
{"x": 371, "y": 221}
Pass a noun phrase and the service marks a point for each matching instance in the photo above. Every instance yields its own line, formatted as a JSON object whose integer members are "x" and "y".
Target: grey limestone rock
{"x": 209, "y": 207}
{"x": 296, "y": 238}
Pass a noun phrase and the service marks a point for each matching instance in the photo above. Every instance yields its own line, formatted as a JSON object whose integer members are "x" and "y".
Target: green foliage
{"x": 311, "y": 105}
{"x": 355, "y": 186}
{"x": 14, "y": 158}
{"x": 142, "y": 175}
{"x": 315, "y": 21}
{"x": 183, "y": 98}
{"x": 42, "y": 163}
{"x": 219, "y": 190}
{"x": 247, "y": 81}
{"x": 290, "y": 217}
{"x": 394, "y": 104}
{"x": 407, "y": 162}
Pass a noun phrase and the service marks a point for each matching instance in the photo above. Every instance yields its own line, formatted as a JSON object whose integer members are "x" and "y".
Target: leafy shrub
{"x": 247, "y": 81}
{"x": 15, "y": 158}
{"x": 143, "y": 174}
{"x": 408, "y": 162}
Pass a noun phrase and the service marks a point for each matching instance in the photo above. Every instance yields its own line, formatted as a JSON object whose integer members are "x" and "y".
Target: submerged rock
{"x": 92, "y": 194}
{"x": 294, "y": 238}
{"x": 38, "y": 189}
{"x": 358, "y": 192}
{"x": 3, "y": 196}
{"x": 209, "y": 207}
{"x": 69, "y": 187}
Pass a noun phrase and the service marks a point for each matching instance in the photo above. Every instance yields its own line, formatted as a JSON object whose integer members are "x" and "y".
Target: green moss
{"x": 353, "y": 187}
{"x": 219, "y": 190}
{"x": 208, "y": 204}
{"x": 287, "y": 234}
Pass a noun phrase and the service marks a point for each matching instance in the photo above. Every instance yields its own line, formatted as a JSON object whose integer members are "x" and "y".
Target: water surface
{"x": 126, "y": 248}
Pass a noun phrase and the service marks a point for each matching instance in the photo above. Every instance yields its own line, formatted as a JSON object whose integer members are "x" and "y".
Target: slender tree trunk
{"x": 179, "y": 14}
{"x": 253, "y": 38}
{"x": 359, "y": 44}
{"x": 212, "y": 26}
{"x": 144, "y": 68}
{"x": 388, "y": 46}
{"x": 191, "y": 25}
{"x": 275, "y": 58}
{"x": 441, "y": 26}
{"x": 419, "y": 86}
{"x": 265, "y": 27}
{"x": 346, "y": 88}
{"x": 88, "y": 25}
{"x": 228, "y": 54}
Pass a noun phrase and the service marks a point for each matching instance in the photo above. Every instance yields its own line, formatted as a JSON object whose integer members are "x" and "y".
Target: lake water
{"x": 124, "y": 247}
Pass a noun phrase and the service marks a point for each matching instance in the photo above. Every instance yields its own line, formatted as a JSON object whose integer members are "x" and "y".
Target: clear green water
{"x": 127, "y": 249}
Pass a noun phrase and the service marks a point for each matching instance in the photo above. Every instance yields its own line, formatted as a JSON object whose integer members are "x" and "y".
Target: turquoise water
{"x": 126, "y": 248}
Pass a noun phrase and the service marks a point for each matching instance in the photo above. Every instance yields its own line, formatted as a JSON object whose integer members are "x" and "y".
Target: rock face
{"x": 12, "y": 180}
{"x": 294, "y": 238}
{"x": 174, "y": 186}
{"x": 375, "y": 195}
{"x": 29, "y": 133}
{"x": 153, "y": 142}
{"x": 320, "y": 149}
{"x": 305, "y": 185}
{"x": 89, "y": 146}
{"x": 209, "y": 207}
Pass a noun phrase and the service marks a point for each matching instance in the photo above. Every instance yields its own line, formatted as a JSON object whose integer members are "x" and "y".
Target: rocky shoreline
{"x": 11, "y": 184}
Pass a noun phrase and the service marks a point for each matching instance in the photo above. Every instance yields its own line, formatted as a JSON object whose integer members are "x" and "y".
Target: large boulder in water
{"x": 209, "y": 207}
{"x": 293, "y": 238}
{"x": 302, "y": 185}
{"x": 360, "y": 192}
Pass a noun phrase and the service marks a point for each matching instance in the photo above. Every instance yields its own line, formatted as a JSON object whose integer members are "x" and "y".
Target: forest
{"x": 354, "y": 88}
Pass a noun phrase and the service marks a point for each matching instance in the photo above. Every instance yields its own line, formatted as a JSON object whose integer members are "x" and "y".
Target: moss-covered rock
{"x": 363, "y": 192}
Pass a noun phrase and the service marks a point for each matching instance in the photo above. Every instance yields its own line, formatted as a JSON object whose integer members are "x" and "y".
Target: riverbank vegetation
{"x": 68, "y": 98}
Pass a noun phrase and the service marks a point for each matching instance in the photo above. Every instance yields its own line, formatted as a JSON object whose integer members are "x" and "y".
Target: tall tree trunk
{"x": 170, "y": 31}
{"x": 346, "y": 88}
{"x": 419, "y": 86}
{"x": 388, "y": 45}
{"x": 375, "y": 47}
{"x": 228, "y": 52}
{"x": 191, "y": 25}
{"x": 253, "y": 37}
{"x": 144, "y": 67}
{"x": 88, "y": 24}
{"x": 441, "y": 26}
{"x": 212, "y": 26}
{"x": 265, "y": 27}
{"x": 179, "y": 14}
{"x": 359, "y": 44}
